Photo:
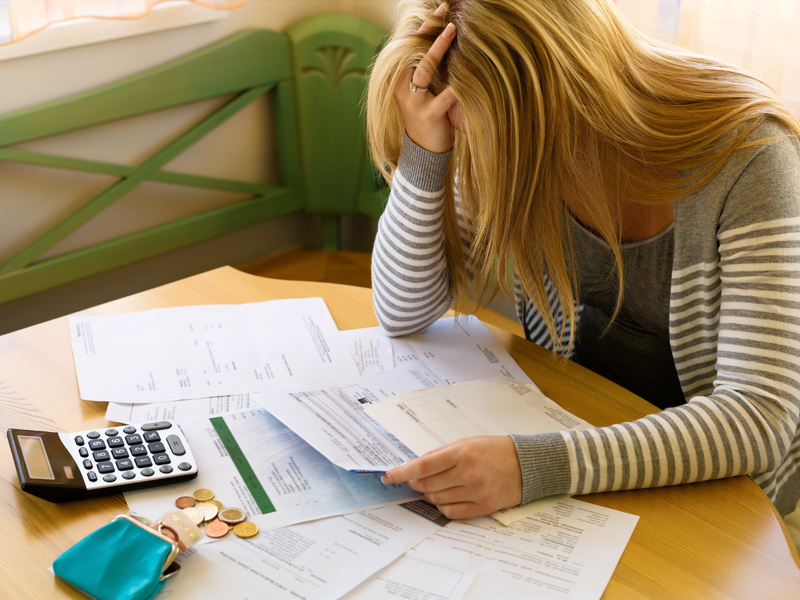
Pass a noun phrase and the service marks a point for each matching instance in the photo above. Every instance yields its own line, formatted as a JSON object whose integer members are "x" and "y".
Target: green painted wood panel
{"x": 252, "y": 58}
{"x": 331, "y": 55}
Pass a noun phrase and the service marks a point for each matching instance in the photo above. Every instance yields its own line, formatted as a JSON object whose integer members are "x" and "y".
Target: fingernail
{"x": 449, "y": 31}
{"x": 440, "y": 11}
{"x": 386, "y": 478}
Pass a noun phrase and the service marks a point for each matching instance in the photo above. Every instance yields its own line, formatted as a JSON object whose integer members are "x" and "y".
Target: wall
{"x": 33, "y": 199}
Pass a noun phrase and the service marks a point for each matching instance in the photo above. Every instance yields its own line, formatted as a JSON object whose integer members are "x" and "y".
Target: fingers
{"x": 423, "y": 74}
{"x": 427, "y": 465}
{"x": 431, "y": 25}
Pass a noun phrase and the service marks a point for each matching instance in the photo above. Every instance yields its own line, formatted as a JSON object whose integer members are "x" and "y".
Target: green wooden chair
{"x": 316, "y": 71}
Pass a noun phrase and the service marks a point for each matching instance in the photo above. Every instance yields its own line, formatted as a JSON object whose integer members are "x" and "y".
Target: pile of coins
{"x": 201, "y": 507}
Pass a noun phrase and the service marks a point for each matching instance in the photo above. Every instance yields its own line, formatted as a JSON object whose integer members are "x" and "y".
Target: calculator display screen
{"x": 35, "y": 457}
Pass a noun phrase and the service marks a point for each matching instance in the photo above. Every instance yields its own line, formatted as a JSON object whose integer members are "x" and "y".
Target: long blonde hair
{"x": 561, "y": 98}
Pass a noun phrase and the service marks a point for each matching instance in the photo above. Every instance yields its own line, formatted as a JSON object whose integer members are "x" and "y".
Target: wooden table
{"x": 719, "y": 539}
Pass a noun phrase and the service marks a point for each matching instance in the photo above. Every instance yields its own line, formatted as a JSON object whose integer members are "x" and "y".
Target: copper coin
{"x": 216, "y": 529}
{"x": 245, "y": 530}
{"x": 185, "y": 502}
{"x": 203, "y": 495}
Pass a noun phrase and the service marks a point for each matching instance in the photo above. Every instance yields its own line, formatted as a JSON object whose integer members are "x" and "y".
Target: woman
{"x": 649, "y": 202}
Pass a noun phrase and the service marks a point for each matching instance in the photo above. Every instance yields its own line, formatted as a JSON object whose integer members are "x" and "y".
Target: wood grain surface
{"x": 719, "y": 539}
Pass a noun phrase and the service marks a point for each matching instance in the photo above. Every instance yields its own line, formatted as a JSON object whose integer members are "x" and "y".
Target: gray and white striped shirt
{"x": 734, "y": 327}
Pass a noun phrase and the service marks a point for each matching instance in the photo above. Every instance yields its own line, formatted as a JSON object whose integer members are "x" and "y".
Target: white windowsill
{"x": 82, "y": 32}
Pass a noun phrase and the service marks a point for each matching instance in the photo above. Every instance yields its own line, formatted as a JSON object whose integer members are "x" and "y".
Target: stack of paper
{"x": 294, "y": 422}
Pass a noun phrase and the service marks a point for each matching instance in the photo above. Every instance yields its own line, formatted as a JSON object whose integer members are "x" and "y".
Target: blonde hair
{"x": 561, "y": 98}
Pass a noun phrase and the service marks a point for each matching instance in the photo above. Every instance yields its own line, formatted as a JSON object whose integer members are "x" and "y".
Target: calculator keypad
{"x": 132, "y": 455}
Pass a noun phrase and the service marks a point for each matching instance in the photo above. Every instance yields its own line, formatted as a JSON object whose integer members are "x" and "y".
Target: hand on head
{"x": 426, "y": 114}
{"x": 467, "y": 478}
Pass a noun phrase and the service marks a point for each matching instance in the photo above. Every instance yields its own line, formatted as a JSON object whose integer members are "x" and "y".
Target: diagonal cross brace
{"x": 145, "y": 171}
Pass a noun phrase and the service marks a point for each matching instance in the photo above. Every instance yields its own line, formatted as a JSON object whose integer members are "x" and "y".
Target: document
{"x": 332, "y": 418}
{"x": 178, "y": 410}
{"x": 566, "y": 551}
{"x": 333, "y": 421}
{"x": 203, "y": 351}
{"x": 254, "y": 462}
{"x": 424, "y": 420}
{"x": 322, "y": 560}
{"x": 461, "y": 351}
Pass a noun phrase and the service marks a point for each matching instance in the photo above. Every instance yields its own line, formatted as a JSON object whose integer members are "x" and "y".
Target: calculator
{"x": 60, "y": 467}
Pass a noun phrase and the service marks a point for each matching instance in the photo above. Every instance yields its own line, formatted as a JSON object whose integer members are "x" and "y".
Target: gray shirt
{"x": 634, "y": 352}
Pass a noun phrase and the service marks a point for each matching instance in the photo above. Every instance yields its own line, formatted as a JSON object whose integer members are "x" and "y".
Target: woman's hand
{"x": 468, "y": 478}
{"x": 425, "y": 113}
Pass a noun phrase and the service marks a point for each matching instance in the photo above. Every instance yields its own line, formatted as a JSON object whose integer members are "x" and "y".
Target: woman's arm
{"x": 410, "y": 287}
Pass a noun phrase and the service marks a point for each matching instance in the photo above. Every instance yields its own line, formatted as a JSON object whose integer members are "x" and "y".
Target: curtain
{"x": 759, "y": 36}
{"x": 21, "y": 18}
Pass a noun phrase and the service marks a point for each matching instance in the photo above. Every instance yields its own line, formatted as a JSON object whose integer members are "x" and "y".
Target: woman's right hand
{"x": 424, "y": 113}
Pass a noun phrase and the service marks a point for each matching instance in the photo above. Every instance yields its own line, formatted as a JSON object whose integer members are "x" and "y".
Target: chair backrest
{"x": 316, "y": 71}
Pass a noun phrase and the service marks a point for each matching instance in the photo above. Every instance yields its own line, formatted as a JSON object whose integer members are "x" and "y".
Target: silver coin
{"x": 232, "y": 516}
{"x": 195, "y": 515}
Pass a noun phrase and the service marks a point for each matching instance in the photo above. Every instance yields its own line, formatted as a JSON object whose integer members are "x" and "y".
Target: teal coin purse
{"x": 124, "y": 560}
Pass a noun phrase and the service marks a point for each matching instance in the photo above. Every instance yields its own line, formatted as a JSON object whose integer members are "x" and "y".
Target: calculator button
{"x": 115, "y": 442}
{"x": 143, "y": 461}
{"x": 156, "y": 448}
{"x": 101, "y": 455}
{"x": 126, "y": 464}
{"x": 105, "y": 467}
{"x": 184, "y": 466}
{"x": 129, "y": 429}
{"x": 87, "y": 464}
{"x": 156, "y": 426}
{"x": 111, "y": 432}
{"x": 161, "y": 459}
{"x": 152, "y": 436}
{"x": 128, "y": 475}
{"x": 119, "y": 453}
{"x": 133, "y": 439}
{"x": 176, "y": 445}
{"x": 139, "y": 450}
{"x": 92, "y": 476}
{"x": 109, "y": 478}
{"x": 93, "y": 435}
{"x": 166, "y": 469}
{"x": 79, "y": 440}
{"x": 97, "y": 445}
{"x": 148, "y": 472}
{"x": 83, "y": 452}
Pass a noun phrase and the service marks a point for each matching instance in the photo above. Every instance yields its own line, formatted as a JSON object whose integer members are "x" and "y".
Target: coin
{"x": 216, "y": 529}
{"x": 185, "y": 502}
{"x": 245, "y": 530}
{"x": 195, "y": 514}
{"x": 209, "y": 510}
{"x": 232, "y": 516}
{"x": 217, "y": 503}
{"x": 203, "y": 495}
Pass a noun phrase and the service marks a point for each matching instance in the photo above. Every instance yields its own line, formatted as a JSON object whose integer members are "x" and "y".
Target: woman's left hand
{"x": 467, "y": 478}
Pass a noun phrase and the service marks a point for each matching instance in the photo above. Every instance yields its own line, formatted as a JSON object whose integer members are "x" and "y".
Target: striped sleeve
{"x": 410, "y": 285}
{"x": 735, "y": 336}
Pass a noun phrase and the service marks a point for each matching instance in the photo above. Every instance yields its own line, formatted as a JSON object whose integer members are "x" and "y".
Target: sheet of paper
{"x": 322, "y": 560}
{"x": 507, "y": 516}
{"x": 254, "y": 462}
{"x": 424, "y": 420}
{"x": 458, "y": 349}
{"x": 567, "y": 551}
{"x": 178, "y": 410}
{"x": 202, "y": 351}
{"x": 371, "y": 349}
{"x": 332, "y": 418}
